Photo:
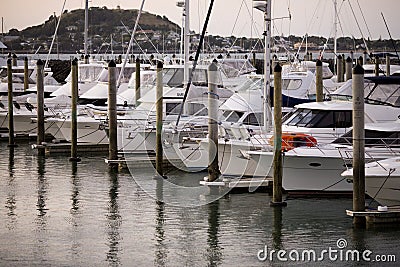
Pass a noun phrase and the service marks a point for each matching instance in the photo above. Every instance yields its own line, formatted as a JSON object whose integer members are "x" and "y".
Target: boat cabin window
{"x": 126, "y": 75}
{"x": 291, "y": 84}
{"x": 319, "y": 118}
{"x": 197, "y": 109}
{"x": 89, "y": 74}
{"x": 173, "y": 77}
{"x": 253, "y": 119}
{"x": 234, "y": 116}
{"x": 172, "y": 108}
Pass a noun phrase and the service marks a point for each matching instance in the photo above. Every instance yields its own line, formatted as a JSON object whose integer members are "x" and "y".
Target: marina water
{"x": 57, "y": 213}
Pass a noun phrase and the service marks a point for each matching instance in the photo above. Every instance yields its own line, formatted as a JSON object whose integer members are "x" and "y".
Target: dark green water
{"x": 56, "y": 213}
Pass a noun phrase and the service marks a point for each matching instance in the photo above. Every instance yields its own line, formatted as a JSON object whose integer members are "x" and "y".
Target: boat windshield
{"x": 125, "y": 76}
{"x": 373, "y": 138}
{"x": 319, "y": 118}
{"x": 378, "y": 90}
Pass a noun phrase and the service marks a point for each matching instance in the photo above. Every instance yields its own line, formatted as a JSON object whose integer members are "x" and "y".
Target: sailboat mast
{"x": 86, "y": 27}
{"x": 186, "y": 45}
{"x": 335, "y": 32}
{"x": 267, "y": 66}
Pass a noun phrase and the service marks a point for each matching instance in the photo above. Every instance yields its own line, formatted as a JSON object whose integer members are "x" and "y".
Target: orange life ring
{"x": 292, "y": 140}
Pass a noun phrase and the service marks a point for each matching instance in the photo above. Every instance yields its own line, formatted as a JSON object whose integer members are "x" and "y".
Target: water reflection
{"x": 41, "y": 247}
{"x": 11, "y": 195}
{"x": 214, "y": 254}
{"x": 42, "y": 189}
{"x": 113, "y": 220}
{"x": 161, "y": 251}
{"x": 277, "y": 228}
{"x": 75, "y": 188}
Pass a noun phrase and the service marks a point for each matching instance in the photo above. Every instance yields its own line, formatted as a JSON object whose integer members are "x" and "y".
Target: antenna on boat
{"x": 195, "y": 61}
{"x": 390, "y": 35}
{"x": 54, "y": 36}
{"x": 130, "y": 45}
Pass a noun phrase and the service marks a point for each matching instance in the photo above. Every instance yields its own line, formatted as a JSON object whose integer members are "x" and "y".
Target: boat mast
{"x": 335, "y": 32}
{"x": 182, "y": 5}
{"x": 265, "y": 6}
{"x": 85, "y": 46}
{"x": 186, "y": 45}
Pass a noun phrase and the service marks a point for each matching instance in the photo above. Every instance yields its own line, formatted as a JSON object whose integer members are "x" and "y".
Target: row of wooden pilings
{"x": 213, "y": 169}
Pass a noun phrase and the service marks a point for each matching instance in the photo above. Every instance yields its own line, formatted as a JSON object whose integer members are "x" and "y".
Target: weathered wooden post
{"x": 86, "y": 59}
{"x": 112, "y": 115}
{"x": 254, "y": 59}
{"x": 14, "y": 60}
{"x": 376, "y": 66}
{"x": 310, "y": 56}
{"x": 40, "y": 107}
{"x": 277, "y": 184}
{"x": 26, "y": 74}
{"x": 340, "y": 74}
{"x": 11, "y": 137}
{"x": 137, "y": 81}
{"x": 159, "y": 119}
{"x": 387, "y": 65}
{"x": 360, "y": 61}
{"x": 358, "y": 144}
{"x": 319, "y": 82}
{"x": 364, "y": 57}
{"x": 352, "y": 56}
{"x": 349, "y": 68}
{"x": 213, "y": 168}
{"x": 74, "y": 111}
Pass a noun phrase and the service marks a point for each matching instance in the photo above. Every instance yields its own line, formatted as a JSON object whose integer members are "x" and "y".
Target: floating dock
{"x": 240, "y": 184}
{"x": 392, "y": 215}
{"x": 65, "y": 148}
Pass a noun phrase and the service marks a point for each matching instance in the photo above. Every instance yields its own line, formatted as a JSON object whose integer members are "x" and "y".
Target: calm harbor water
{"x": 57, "y": 213}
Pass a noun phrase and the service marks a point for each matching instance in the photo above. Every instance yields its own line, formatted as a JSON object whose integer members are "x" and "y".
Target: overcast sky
{"x": 233, "y": 17}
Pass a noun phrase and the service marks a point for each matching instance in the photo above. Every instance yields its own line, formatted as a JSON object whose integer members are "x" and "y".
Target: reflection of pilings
{"x": 11, "y": 199}
{"x": 75, "y": 187}
{"x": 114, "y": 221}
{"x": 42, "y": 186}
{"x": 214, "y": 254}
{"x": 161, "y": 250}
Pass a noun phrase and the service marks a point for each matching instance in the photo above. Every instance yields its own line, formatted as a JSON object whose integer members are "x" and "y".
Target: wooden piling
{"x": 213, "y": 168}
{"x": 340, "y": 72}
{"x": 360, "y": 61}
{"x": 86, "y": 59}
{"x": 159, "y": 119}
{"x": 11, "y": 137}
{"x": 319, "y": 81}
{"x": 14, "y": 60}
{"x": 277, "y": 185}
{"x": 74, "y": 111}
{"x": 349, "y": 68}
{"x": 40, "y": 107}
{"x": 137, "y": 81}
{"x": 364, "y": 57}
{"x": 376, "y": 66}
{"x": 358, "y": 144}
{"x": 112, "y": 114}
{"x": 26, "y": 74}
{"x": 387, "y": 65}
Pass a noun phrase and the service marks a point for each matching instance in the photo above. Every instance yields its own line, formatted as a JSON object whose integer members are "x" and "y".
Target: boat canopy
{"x": 377, "y": 90}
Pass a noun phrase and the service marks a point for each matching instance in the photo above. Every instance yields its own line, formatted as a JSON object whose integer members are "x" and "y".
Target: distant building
{"x": 71, "y": 28}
